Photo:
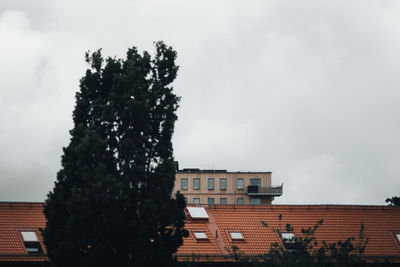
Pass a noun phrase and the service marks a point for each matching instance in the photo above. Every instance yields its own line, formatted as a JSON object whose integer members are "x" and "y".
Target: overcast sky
{"x": 309, "y": 90}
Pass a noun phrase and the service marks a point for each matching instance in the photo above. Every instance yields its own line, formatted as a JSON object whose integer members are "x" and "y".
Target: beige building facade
{"x": 222, "y": 187}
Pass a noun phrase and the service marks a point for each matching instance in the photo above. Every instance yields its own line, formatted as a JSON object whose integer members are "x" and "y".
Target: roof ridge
{"x": 20, "y": 203}
{"x": 301, "y": 205}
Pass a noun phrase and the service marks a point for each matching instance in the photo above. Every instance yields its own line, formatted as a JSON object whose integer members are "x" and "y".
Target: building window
{"x": 210, "y": 183}
{"x": 186, "y": 200}
{"x": 196, "y": 200}
{"x": 211, "y": 201}
{"x": 235, "y": 235}
{"x": 31, "y": 242}
{"x": 222, "y": 183}
{"x": 184, "y": 184}
{"x": 29, "y": 236}
{"x": 196, "y": 184}
{"x": 240, "y": 183}
{"x": 240, "y": 201}
{"x": 255, "y": 201}
{"x": 222, "y": 201}
{"x": 197, "y": 212}
{"x": 289, "y": 241}
{"x": 200, "y": 235}
{"x": 255, "y": 181}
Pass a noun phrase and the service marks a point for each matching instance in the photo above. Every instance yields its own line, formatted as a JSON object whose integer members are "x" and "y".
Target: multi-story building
{"x": 223, "y": 187}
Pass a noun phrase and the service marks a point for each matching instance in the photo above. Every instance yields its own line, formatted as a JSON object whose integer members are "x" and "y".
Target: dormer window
{"x": 31, "y": 242}
{"x": 289, "y": 241}
{"x": 200, "y": 235}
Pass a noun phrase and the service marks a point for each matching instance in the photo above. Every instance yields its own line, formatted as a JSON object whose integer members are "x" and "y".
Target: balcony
{"x": 255, "y": 190}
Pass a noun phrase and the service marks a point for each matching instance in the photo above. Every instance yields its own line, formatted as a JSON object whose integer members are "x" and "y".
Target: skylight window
{"x": 289, "y": 241}
{"x": 398, "y": 237}
{"x": 31, "y": 242}
{"x": 197, "y": 212}
{"x": 235, "y": 235}
{"x": 200, "y": 235}
{"x": 288, "y": 237}
{"x": 29, "y": 236}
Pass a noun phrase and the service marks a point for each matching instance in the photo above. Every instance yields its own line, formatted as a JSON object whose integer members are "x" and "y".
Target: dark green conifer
{"x": 111, "y": 204}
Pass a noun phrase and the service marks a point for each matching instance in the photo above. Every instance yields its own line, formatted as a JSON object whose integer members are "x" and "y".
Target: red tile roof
{"x": 16, "y": 217}
{"x": 340, "y": 222}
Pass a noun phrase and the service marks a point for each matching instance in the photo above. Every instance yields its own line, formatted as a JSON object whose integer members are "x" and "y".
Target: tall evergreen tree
{"x": 111, "y": 204}
{"x": 394, "y": 201}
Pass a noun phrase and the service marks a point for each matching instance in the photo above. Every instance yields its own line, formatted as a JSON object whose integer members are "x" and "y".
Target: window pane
{"x": 32, "y": 250}
{"x": 255, "y": 181}
{"x": 240, "y": 201}
{"x": 29, "y": 236}
{"x": 222, "y": 201}
{"x": 240, "y": 184}
{"x": 184, "y": 184}
{"x": 211, "y": 201}
{"x": 288, "y": 237}
{"x": 222, "y": 183}
{"x": 255, "y": 201}
{"x": 210, "y": 183}
{"x": 200, "y": 235}
{"x": 196, "y": 184}
{"x": 197, "y": 212}
{"x": 186, "y": 200}
{"x": 196, "y": 200}
{"x": 236, "y": 235}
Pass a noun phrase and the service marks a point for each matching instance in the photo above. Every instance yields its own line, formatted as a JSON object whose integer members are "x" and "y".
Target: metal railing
{"x": 267, "y": 191}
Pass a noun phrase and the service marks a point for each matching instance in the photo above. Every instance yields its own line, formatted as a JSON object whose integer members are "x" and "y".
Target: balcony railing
{"x": 255, "y": 190}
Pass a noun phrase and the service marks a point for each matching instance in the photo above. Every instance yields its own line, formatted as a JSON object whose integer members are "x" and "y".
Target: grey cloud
{"x": 304, "y": 89}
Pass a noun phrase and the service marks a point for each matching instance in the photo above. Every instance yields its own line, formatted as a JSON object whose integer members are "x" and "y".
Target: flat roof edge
{"x": 219, "y": 171}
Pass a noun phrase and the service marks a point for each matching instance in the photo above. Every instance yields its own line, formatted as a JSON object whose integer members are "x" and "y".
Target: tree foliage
{"x": 394, "y": 201}
{"x": 111, "y": 204}
{"x": 305, "y": 249}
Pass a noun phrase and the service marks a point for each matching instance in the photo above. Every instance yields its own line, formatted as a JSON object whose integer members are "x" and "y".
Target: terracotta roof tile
{"x": 340, "y": 222}
{"x": 14, "y": 217}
